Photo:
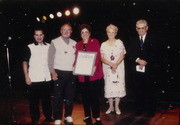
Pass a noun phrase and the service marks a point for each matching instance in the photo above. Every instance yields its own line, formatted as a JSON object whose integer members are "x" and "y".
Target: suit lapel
{"x": 146, "y": 39}
{"x": 138, "y": 42}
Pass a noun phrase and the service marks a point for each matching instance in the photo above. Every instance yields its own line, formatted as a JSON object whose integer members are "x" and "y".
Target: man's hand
{"x": 141, "y": 62}
{"x": 28, "y": 80}
{"x": 54, "y": 76}
{"x": 141, "y": 67}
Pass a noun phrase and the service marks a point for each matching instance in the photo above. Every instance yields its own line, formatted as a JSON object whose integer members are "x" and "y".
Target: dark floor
{"x": 15, "y": 108}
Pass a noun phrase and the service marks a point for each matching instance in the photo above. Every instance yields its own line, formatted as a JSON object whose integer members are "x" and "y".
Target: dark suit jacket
{"x": 142, "y": 84}
{"x": 147, "y": 52}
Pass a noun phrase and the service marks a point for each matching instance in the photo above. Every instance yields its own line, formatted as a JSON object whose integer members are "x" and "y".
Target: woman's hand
{"x": 113, "y": 70}
{"x": 94, "y": 69}
{"x": 114, "y": 65}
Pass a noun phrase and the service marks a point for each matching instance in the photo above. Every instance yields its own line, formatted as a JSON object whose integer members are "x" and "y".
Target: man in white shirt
{"x": 37, "y": 76}
{"x": 61, "y": 59}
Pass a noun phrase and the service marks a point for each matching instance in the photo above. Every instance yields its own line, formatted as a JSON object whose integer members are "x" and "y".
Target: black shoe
{"x": 170, "y": 107}
{"x": 137, "y": 113}
{"x": 88, "y": 121}
{"x": 34, "y": 122}
{"x": 149, "y": 114}
{"x": 48, "y": 120}
{"x": 98, "y": 122}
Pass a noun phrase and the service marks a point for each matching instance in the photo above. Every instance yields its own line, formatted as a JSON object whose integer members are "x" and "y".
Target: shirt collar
{"x": 144, "y": 36}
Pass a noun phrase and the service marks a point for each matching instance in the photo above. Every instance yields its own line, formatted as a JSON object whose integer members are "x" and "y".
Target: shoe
{"x": 109, "y": 111}
{"x": 118, "y": 112}
{"x": 69, "y": 119}
{"x": 98, "y": 122}
{"x": 48, "y": 120}
{"x": 149, "y": 114}
{"x": 34, "y": 122}
{"x": 137, "y": 113}
{"x": 57, "y": 122}
{"x": 88, "y": 121}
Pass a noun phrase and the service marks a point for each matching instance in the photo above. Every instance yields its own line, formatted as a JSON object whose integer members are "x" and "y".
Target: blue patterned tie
{"x": 141, "y": 41}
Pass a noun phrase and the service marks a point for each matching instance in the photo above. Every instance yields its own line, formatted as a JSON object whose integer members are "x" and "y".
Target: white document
{"x": 85, "y": 63}
{"x": 138, "y": 69}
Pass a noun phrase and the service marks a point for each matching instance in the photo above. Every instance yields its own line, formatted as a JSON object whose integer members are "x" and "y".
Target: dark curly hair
{"x": 83, "y": 26}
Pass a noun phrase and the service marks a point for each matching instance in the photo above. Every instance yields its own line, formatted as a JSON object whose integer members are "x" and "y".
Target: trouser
{"x": 90, "y": 97}
{"x": 40, "y": 91}
{"x": 145, "y": 92}
{"x": 64, "y": 89}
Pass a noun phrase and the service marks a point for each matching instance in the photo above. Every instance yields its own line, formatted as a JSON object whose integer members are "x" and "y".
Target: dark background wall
{"x": 18, "y": 18}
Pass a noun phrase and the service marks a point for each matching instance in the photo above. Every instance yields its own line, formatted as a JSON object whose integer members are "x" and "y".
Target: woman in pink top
{"x": 90, "y": 84}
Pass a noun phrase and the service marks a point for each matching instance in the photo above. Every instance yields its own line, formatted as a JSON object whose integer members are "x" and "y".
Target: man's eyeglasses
{"x": 66, "y": 30}
{"x": 111, "y": 32}
{"x": 142, "y": 28}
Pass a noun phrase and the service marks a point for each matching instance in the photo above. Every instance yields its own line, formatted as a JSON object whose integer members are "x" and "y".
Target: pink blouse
{"x": 92, "y": 46}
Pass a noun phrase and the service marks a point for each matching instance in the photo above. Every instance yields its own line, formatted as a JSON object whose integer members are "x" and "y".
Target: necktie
{"x": 141, "y": 41}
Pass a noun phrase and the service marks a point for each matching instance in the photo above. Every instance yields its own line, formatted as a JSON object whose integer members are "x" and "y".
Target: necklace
{"x": 111, "y": 43}
{"x": 112, "y": 56}
{"x": 84, "y": 46}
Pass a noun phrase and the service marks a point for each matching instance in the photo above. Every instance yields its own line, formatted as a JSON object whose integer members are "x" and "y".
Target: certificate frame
{"x": 84, "y": 64}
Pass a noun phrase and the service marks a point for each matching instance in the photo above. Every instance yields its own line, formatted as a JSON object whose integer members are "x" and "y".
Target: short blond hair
{"x": 113, "y": 27}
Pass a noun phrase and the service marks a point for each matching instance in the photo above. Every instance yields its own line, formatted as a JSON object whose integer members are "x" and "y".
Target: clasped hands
{"x": 141, "y": 63}
{"x": 114, "y": 67}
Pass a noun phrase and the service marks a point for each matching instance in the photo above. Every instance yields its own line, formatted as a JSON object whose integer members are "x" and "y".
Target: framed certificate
{"x": 85, "y": 63}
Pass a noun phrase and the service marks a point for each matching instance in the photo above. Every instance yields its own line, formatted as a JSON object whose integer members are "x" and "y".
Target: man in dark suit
{"x": 141, "y": 54}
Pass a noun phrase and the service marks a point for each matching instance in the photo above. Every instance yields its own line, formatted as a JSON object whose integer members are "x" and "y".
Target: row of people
{"x": 58, "y": 59}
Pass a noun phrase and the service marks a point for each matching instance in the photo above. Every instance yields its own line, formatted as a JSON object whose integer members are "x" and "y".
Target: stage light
{"x": 51, "y": 16}
{"x": 76, "y": 10}
{"x": 37, "y": 18}
{"x": 59, "y": 14}
{"x": 44, "y": 18}
{"x": 67, "y": 12}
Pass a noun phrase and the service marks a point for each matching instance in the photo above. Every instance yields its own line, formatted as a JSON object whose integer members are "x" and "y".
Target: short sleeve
{"x": 102, "y": 48}
{"x": 27, "y": 54}
{"x": 122, "y": 48}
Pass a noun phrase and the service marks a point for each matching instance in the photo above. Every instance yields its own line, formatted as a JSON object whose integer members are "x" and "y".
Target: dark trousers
{"x": 40, "y": 91}
{"x": 145, "y": 93}
{"x": 64, "y": 91}
{"x": 90, "y": 97}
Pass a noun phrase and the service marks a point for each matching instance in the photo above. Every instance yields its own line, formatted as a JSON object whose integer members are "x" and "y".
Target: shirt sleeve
{"x": 102, "y": 48}
{"x": 51, "y": 55}
{"x": 27, "y": 54}
{"x": 98, "y": 58}
{"x": 122, "y": 47}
